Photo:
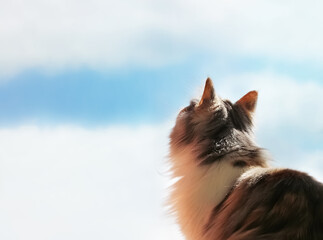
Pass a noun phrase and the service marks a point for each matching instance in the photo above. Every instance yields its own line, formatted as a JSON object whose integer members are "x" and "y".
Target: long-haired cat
{"x": 225, "y": 189}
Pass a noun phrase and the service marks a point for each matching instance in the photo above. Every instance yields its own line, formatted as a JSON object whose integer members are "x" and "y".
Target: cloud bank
{"x": 108, "y": 34}
{"x": 74, "y": 183}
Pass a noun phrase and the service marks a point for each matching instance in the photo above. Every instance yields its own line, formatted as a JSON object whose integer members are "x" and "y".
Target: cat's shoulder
{"x": 279, "y": 180}
{"x": 271, "y": 203}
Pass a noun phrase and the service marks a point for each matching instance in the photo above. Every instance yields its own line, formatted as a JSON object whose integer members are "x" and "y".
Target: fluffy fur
{"x": 225, "y": 188}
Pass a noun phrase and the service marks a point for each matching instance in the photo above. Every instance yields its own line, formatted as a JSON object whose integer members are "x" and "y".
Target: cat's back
{"x": 270, "y": 204}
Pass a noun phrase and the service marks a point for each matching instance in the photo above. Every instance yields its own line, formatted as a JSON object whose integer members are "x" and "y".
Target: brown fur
{"x": 276, "y": 204}
{"x": 226, "y": 190}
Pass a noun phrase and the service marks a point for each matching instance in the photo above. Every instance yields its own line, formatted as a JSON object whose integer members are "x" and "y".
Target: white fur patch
{"x": 199, "y": 190}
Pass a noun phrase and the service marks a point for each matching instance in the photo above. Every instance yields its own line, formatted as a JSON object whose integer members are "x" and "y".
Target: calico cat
{"x": 225, "y": 188}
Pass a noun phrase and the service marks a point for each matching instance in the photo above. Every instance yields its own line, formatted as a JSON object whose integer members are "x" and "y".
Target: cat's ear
{"x": 249, "y": 101}
{"x": 208, "y": 93}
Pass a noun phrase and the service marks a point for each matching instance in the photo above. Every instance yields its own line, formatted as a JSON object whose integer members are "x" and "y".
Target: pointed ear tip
{"x": 254, "y": 93}
{"x": 208, "y": 93}
{"x": 209, "y": 81}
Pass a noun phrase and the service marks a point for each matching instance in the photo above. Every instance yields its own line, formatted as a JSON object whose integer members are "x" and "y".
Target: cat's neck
{"x": 200, "y": 189}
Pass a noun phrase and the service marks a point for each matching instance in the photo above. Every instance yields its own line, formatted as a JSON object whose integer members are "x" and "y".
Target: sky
{"x": 89, "y": 91}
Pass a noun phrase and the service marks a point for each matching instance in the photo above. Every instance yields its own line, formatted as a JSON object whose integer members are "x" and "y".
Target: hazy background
{"x": 89, "y": 91}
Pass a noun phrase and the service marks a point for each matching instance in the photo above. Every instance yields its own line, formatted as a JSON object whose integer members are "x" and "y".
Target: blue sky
{"x": 129, "y": 95}
{"x": 89, "y": 91}
{"x": 67, "y": 62}
{"x": 89, "y": 97}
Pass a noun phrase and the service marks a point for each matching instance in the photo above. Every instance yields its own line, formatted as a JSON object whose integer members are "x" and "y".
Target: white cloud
{"x": 104, "y": 34}
{"x": 311, "y": 163}
{"x": 74, "y": 183}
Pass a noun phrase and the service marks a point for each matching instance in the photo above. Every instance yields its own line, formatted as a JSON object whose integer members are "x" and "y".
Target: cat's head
{"x": 212, "y": 128}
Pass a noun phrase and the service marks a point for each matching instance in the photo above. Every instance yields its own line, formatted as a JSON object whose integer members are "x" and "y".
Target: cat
{"x": 225, "y": 188}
